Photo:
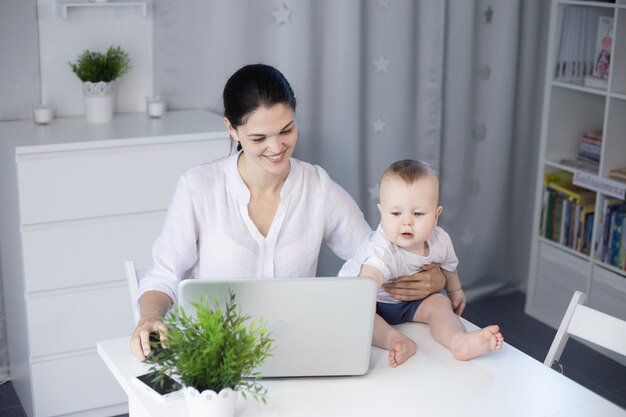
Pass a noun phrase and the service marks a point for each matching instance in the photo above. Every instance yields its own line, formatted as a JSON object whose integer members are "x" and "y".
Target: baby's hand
{"x": 458, "y": 300}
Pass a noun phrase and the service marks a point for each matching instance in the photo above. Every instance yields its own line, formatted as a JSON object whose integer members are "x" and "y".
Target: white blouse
{"x": 208, "y": 233}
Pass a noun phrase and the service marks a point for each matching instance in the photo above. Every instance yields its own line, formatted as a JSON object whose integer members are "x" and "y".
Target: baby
{"x": 407, "y": 239}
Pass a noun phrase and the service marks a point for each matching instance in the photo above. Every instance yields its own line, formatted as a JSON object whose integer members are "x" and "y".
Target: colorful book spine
{"x": 546, "y": 228}
{"x": 616, "y": 237}
{"x": 564, "y": 219}
{"x": 611, "y": 208}
{"x": 621, "y": 262}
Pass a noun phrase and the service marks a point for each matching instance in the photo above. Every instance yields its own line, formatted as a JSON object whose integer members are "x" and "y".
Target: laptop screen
{"x": 321, "y": 326}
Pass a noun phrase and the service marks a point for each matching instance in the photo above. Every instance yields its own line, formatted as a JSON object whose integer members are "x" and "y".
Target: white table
{"x": 432, "y": 383}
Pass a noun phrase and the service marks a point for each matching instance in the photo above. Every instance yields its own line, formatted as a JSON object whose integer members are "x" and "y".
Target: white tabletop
{"x": 432, "y": 383}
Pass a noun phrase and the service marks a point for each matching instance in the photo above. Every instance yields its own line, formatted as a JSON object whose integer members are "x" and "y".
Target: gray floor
{"x": 580, "y": 363}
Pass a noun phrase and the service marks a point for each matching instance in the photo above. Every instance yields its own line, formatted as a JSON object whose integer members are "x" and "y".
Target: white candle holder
{"x": 43, "y": 112}
{"x": 155, "y": 106}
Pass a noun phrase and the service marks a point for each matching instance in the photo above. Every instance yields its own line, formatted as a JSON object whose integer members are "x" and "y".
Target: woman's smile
{"x": 275, "y": 159}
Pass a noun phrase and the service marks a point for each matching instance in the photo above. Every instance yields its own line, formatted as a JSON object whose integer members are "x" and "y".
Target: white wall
{"x": 94, "y": 28}
{"x": 19, "y": 63}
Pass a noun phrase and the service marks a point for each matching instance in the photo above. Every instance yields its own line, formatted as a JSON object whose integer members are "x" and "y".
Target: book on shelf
{"x": 567, "y": 212}
{"x": 586, "y": 166}
{"x": 546, "y": 215}
{"x": 583, "y": 57}
{"x": 621, "y": 263}
{"x": 590, "y": 148}
{"x": 604, "y": 40}
{"x": 586, "y": 234}
{"x": 611, "y": 210}
{"x": 573, "y": 192}
{"x": 618, "y": 174}
{"x": 615, "y": 240}
{"x": 595, "y": 82}
{"x": 599, "y": 77}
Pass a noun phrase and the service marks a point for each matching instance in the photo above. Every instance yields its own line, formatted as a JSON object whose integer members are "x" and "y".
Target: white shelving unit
{"x": 63, "y": 6}
{"x": 569, "y": 110}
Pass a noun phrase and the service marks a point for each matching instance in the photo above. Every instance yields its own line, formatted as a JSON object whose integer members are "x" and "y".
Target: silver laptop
{"x": 320, "y": 326}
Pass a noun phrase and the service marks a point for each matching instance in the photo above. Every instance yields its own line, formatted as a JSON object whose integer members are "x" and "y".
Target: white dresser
{"x": 76, "y": 201}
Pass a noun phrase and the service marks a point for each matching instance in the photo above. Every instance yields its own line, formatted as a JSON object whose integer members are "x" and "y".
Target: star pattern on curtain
{"x": 379, "y": 125}
{"x": 475, "y": 187}
{"x": 480, "y": 132}
{"x": 381, "y": 64}
{"x": 383, "y": 4}
{"x": 488, "y": 14}
{"x": 467, "y": 239}
{"x": 484, "y": 72}
{"x": 282, "y": 15}
{"x": 374, "y": 190}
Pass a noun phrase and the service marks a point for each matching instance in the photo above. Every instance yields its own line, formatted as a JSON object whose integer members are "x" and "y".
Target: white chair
{"x": 132, "y": 280}
{"x": 587, "y": 324}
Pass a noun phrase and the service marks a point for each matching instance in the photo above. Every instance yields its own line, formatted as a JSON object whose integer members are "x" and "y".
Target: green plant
{"x": 218, "y": 348}
{"x": 96, "y": 66}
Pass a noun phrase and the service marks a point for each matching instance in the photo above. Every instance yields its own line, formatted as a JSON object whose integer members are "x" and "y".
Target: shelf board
{"x": 619, "y": 95}
{"x": 590, "y": 3}
{"x": 571, "y": 251}
{"x": 562, "y": 167}
{"x": 609, "y": 267}
{"x": 577, "y": 87}
{"x": 140, "y": 6}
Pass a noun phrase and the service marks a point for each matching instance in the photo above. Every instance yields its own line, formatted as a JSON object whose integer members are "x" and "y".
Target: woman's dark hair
{"x": 251, "y": 87}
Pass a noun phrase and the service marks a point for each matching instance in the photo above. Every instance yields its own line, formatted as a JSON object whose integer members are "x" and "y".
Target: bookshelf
{"x": 577, "y": 240}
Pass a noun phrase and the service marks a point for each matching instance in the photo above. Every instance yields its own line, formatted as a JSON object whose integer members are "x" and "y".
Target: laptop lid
{"x": 321, "y": 326}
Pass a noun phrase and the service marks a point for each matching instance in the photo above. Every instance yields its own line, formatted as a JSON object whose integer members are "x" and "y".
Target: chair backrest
{"x": 132, "y": 280}
{"x": 590, "y": 325}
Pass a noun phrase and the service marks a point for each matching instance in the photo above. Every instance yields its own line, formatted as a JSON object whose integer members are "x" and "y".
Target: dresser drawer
{"x": 101, "y": 182}
{"x": 85, "y": 252}
{"x": 77, "y": 320}
{"x": 74, "y": 384}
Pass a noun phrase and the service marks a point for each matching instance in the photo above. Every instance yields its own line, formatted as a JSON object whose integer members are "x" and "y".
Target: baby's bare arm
{"x": 370, "y": 271}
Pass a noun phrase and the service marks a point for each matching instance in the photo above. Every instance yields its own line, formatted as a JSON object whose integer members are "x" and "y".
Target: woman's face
{"x": 268, "y": 138}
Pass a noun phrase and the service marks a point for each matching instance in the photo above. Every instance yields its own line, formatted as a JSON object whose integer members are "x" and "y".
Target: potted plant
{"x": 98, "y": 72}
{"x": 214, "y": 354}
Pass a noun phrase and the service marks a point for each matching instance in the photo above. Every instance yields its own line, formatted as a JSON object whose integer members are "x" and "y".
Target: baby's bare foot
{"x": 401, "y": 350}
{"x": 476, "y": 343}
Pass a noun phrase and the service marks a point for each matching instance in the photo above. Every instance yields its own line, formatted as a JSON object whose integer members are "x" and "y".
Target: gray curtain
{"x": 456, "y": 83}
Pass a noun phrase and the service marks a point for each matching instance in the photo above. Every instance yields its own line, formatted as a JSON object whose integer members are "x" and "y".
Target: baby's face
{"x": 409, "y": 212}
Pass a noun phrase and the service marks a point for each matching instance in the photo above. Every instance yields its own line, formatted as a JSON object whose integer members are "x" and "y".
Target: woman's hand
{"x": 153, "y": 306}
{"x": 140, "y": 339}
{"x": 417, "y": 286}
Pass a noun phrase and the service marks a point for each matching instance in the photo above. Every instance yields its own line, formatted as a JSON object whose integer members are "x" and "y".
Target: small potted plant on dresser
{"x": 214, "y": 354}
{"x": 98, "y": 72}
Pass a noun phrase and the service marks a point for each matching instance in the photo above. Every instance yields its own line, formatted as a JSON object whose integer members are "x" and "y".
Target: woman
{"x": 258, "y": 213}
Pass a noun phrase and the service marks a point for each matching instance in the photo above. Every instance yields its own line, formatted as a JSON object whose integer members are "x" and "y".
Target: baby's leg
{"x": 447, "y": 329}
{"x": 400, "y": 346}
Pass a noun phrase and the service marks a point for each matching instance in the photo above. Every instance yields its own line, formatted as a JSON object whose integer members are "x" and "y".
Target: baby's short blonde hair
{"x": 409, "y": 170}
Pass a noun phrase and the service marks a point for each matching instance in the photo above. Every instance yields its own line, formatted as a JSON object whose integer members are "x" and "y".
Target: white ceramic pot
{"x": 99, "y": 101}
{"x": 210, "y": 404}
